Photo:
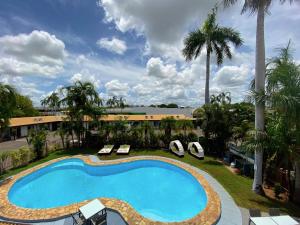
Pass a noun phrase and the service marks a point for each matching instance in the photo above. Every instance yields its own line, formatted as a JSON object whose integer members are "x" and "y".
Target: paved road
{"x": 18, "y": 143}
{"x": 12, "y": 145}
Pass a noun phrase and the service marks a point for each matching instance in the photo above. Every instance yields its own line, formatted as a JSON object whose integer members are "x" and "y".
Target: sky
{"x": 131, "y": 48}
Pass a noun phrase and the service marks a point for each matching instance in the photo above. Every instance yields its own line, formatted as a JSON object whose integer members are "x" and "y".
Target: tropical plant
{"x": 63, "y": 132}
{"x": 216, "y": 39}
{"x": 146, "y": 128}
{"x": 112, "y": 102}
{"x": 52, "y": 101}
{"x": 260, "y": 7}
{"x": 38, "y": 140}
{"x": 80, "y": 100}
{"x": 282, "y": 96}
{"x": 7, "y": 105}
{"x": 168, "y": 124}
{"x": 184, "y": 125}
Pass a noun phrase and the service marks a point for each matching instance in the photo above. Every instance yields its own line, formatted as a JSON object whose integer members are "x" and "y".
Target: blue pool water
{"x": 157, "y": 190}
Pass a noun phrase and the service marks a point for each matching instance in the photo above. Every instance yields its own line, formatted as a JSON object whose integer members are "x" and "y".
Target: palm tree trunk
{"x": 207, "y": 77}
{"x": 260, "y": 71}
{"x": 296, "y": 196}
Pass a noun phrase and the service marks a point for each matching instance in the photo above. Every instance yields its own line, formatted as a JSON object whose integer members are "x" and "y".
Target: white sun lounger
{"x": 124, "y": 149}
{"x": 106, "y": 149}
{"x": 196, "y": 150}
{"x": 177, "y": 148}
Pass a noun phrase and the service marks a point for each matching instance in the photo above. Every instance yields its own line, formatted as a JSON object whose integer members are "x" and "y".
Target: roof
{"x": 23, "y": 121}
{"x": 153, "y": 110}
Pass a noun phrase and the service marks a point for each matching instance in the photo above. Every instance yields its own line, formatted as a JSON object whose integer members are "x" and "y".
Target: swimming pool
{"x": 157, "y": 190}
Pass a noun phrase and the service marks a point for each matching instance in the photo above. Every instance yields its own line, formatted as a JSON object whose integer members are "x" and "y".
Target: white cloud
{"x": 232, "y": 76}
{"x": 113, "y": 45}
{"x": 86, "y": 76}
{"x": 38, "y": 53}
{"x": 116, "y": 88}
{"x": 156, "y": 68}
{"x": 163, "y": 23}
{"x": 29, "y": 89}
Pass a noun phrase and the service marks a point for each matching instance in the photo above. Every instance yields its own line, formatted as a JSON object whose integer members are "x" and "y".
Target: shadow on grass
{"x": 285, "y": 207}
{"x": 213, "y": 163}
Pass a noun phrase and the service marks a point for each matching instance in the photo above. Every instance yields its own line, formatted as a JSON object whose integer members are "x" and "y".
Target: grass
{"x": 238, "y": 187}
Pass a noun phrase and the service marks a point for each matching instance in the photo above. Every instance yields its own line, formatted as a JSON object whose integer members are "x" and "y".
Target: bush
{"x": 13, "y": 159}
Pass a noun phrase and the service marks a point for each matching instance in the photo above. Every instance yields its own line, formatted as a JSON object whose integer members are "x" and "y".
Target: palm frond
{"x": 193, "y": 43}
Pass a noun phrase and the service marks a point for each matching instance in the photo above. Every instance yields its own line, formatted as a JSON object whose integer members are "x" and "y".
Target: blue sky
{"x": 129, "y": 48}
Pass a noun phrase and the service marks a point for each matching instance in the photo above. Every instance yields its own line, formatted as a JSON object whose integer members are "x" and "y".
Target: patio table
{"x": 91, "y": 209}
{"x": 284, "y": 220}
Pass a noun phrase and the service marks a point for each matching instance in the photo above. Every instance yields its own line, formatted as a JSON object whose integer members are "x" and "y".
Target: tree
{"x": 282, "y": 96}
{"x": 168, "y": 124}
{"x": 38, "y": 139}
{"x": 7, "y": 105}
{"x": 80, "y": 100}
{"x": 184, "y": 125}
{"x": 146, "y": 128}
{"x": 261, "y": 8}
{"x": 215, "y": 39}
{"x": 24, "y": 107}
{"x": 52, "y": 101}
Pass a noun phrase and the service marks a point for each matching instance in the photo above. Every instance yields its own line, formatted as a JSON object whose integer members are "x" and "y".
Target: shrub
{"x": 13, "y": 159}
{"x": 4, "y": 160}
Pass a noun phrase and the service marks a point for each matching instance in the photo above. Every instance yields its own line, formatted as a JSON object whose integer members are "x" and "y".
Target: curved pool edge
{"x": 209, "y": 215}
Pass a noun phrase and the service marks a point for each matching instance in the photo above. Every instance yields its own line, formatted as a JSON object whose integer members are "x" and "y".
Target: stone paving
{"x": 210, "y": 215}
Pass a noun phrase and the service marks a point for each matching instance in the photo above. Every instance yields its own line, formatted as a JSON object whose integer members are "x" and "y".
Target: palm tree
{"x": 184, "y": 125}
{"x": 38, "y": 139}
{"x": 80, "y": 100}
{"x": 283, "y": 96}
{"x": 7, "y": 105}
{"x": 168, "y": 124}
{"x": 261, "y": 8}
{"x": 146, "y": 127}
{"x": 52, "y": 101}
{"x": 216, "y": 39}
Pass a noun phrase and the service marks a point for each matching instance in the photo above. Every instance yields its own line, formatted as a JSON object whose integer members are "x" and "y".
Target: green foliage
{"x": 222, "y": 121}
{"x": 168, "y": 124}
{"x": 7, "y": 104}
{"x": 16, "y": 158}
{"x": 24, "y": 107}
{"x": 81, "y": 100}
{"x": 38, "y": 139}
{"x": 52, "y": 101}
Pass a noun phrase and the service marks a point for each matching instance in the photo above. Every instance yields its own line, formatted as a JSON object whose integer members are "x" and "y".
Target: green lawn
{"x": 239, "y": 187}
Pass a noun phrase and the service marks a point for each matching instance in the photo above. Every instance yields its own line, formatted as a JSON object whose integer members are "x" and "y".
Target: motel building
{"x": 21, "y": 126}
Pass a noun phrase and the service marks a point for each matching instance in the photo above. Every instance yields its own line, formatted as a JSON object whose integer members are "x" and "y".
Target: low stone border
{"x": 210, "y": 215}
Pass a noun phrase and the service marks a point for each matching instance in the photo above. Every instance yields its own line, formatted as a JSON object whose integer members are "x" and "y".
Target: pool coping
{"x": 210, "y": 215}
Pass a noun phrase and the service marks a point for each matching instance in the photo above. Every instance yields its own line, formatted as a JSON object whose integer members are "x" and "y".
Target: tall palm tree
{"x": 215, "y": 39}
{"x": 260, "y": 7}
